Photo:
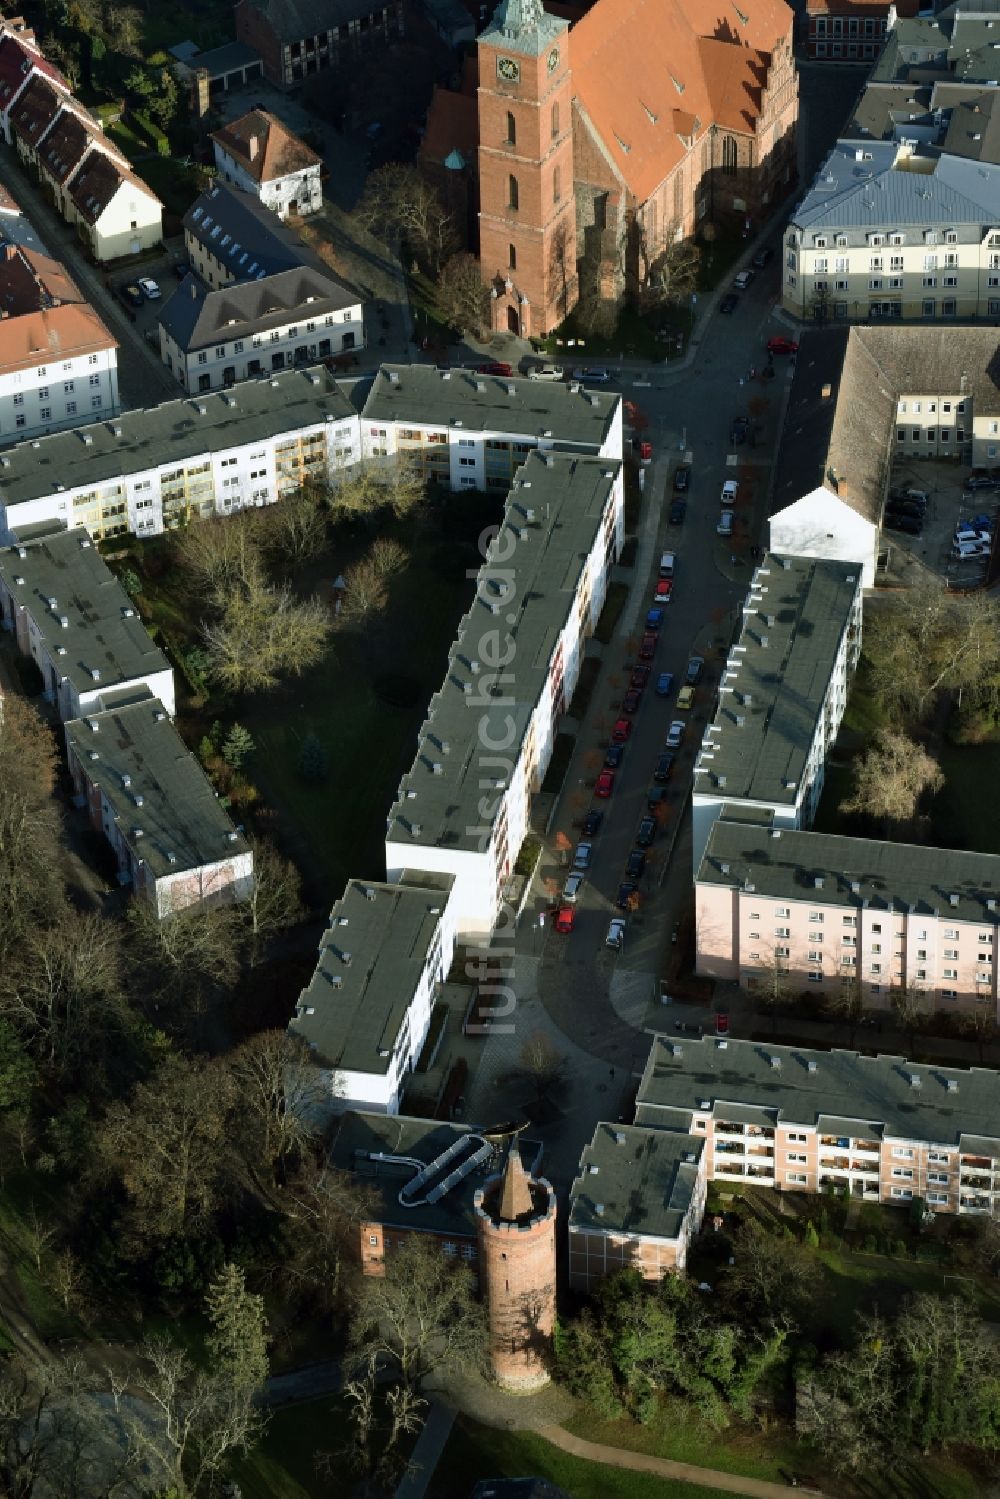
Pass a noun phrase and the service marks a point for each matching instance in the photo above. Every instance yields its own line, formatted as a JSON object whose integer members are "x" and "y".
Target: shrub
{"x": 156, "y": 137}
{"x": 811, "y": 1237}
{"x": 130, "y": 581}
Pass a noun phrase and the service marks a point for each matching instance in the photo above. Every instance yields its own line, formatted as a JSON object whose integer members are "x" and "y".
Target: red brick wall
{"x": 518, "y": 1276}
{"x": 253, "y": 29}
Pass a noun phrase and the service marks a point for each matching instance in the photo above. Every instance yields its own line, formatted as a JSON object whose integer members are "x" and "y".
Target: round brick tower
{"x": 517, "y": 1268}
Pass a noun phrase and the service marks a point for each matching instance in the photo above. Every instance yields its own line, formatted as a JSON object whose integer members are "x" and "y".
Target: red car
{"x": 497, "y": 368}
{"x": 664, "y": 590}
{"x": 565, "y": 917}
{"x": 722, "y": 1023}
{"x": 621, "y": 731}
{"x": 630, "y": 703}
{"x": 782, "y": 345}
{"x": 647, "y": 649}
{"x": 643, "y": 449}
{"x": 639, "y": 678}
{"x": 605, "y": 784}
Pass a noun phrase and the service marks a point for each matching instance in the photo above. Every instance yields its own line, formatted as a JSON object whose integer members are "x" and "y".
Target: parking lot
{"x": 949, "y": 506}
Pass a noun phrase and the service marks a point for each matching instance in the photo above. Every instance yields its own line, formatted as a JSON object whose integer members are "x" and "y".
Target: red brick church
{"x": 596, "y": 145}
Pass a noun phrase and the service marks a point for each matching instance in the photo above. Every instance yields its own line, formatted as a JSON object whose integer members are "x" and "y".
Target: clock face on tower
{"x": 553, "y": 59}
{"x": 508, "y": 69}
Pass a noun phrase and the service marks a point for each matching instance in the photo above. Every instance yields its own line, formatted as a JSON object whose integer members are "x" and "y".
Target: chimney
{"x": 254, "y": 147}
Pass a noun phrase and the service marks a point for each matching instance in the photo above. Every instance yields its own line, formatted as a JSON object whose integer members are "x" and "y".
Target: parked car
{"x": 781, "y": 345}
{"x": 722, "y": 1023}
{"x": 647, "y": 647}
{"x": 905, "y": 523}
{"x": 546, "y": 372}
{"x": 675, "y": 733}
{"x": 678, "y": 510}
{"x": 627, "y": 890}
{"x": 571, "y": 889}
{"x": 643, "y": 450}
{"x": 616, "y": 934}
{"x": 605, "y": 784}
{"x": 621, "y": 731}
{"x": 654, "y": 619}
{"x": 614, "y": 754}
{"x": 565, "y": 918}
{"x": 631, "y": 703}
{"x": 742, "y": 279}
{"x": 763, "y": 257}
{"x": 592, "y": 823}
{"x": 685, "y": 698}
{"x": 496, "y": 367}
{"x": 582, "y": 855}
{"x": 665, "y": 684}
{"x": 981, "y": 481}
{"x": 911, "y": 493}
{"x": 725, "y": 524}
{"x": 682, "y": 478}
{"x": 592, "y": 376}
{"x": 967, "y": 534}
{"x": 656, "y": 797}
{"x": 664, "y": 768}
{"x": 730, "y": 490}
{"x": 635, "y": 864}
{"x": 639, "y": 678}
{"x": 905, "y": 507}
{"x": 964, "y": 551}
{"x": 131, "y": 293}
{"x": 729, "y": 303}
{"x": 663, "y": 591}
{"x": 695, "y": 669}
{"x": 983, "y": 522}
{"x": 739, "y": 430}
{"x": 647, "y": 832}
{"x": 149, "y": 288}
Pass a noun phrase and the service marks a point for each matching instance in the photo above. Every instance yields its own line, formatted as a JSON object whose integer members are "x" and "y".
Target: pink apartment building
{"x": 829, "y": 911}
{"x": 886, "y": 1129}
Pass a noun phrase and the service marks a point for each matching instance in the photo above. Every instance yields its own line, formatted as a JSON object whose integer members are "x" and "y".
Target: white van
{"x": 730, "y": 490}
{"x": 667, "y": 563}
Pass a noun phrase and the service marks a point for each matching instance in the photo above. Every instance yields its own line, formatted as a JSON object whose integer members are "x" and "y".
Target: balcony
{"x": 977, "y": 1180}
{"x": 723, "y": 1147}
{"x": 729, "y": 1168}
{"x": 761, "y": 1152}
{"x": 848, "y": 1163}
{"x": 765, "y": 1173}
{"x": 730, "y": 1129}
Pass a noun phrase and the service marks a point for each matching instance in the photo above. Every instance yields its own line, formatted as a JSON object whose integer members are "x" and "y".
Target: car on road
{"x": 695, "y": 670}
{"x": 763, "y": 257}
{"x": 495, "y": 367}
{"x": 742, "y": 280}
{"x": 149, "y": 288}
{"x": 981, "y": 481}
{"x": 664, "y": 768}
{"x": 582, "y": 855}
{"x": 631, "y": 703}
{"x": 571, "y": 889}
{"x": 131, "y": 293}
{"x": 647, "y": 647}
{"x": 635, "y": 864}
{"x": 656, "y": 797}
{"x": 725, "y": 524}
{"x": 643, "y": 450}
{"x": 675, "y": 733}
{"x": 592, "y": 376}
{"x": 665, "y": 684}
{"x": 730, "y": 490}
{"x": 729, "y": 303}
{"x": 909, "y": 492}
{"x": 647, "y": 832}
{"x": 908, "y": 524}
{"x": 613, "y": 755}
{"x": 654, "y": 619}
{"x": 621, "y": 731}
{"x": 739, "y": 430}
{"x": 627, "y": 892}
{"x": 685, "y": 698}
{"x": 546, "y": 372}
{"x": 678, "y": 510}
{"x": 616, "y": 934}
{"x": 905, "y": 507}
{"x": 605, "y": 784}
{"x": 682, "y": 478}
{"x": 664, "y": 591}
{"x": 722, "y": 1023}
{"x": 639, "y": 678}
{"x": 781, "y": 345}
{"x": 565, "y": 919}
{"x": 592, "y": 823}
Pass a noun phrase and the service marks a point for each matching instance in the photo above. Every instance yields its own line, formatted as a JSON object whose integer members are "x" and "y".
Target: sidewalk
{"x": 427, "y": 1453}
{"x": 641, "y": 1462}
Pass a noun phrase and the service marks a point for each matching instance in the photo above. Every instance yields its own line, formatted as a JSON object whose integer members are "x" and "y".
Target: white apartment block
{"x": 463, "y": 807}
{"x": 473, "y": 431}
{"x": 68, "y": 612}
{"x": 888, "y": 232}
{"x": 885, "y": 1129}
{"x": 259, "y": 154}
{"x": 144, "y": 790}
{"x": 149, "y": 471}
{"x": 782, "y": 695}
{"x": 832, "y": 912}
{"x": 366, "y": 1011}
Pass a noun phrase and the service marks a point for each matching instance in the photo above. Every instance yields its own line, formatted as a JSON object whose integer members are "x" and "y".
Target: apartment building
{"x": 21, "y": 62}
{"x": 636, "y": 1203}
{"x": 260, "y": 301}
{"x": 473, "y": 431}
{"x": 144, "y": 790}
{"x": 885, "y": 1129}
{"x": 463, "y": 807}
{"x": 845, "y": 30}
{"x": 366, "y": 1011}
{"x": 835, "y": 912}
{"x": 70, "y": 614}
{"x": 149, "y": 471}
{"x": 260, "y": 155}
{"x": 782, "y": 694}
{"x": 891, "y": 229}
{"x": 58, "y": 362}
{"x": 299, "y": 38}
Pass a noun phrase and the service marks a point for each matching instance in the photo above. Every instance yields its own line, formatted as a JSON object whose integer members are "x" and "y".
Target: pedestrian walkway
{"x": 427, "y": 1453}
{"x": 664, "y": 1467}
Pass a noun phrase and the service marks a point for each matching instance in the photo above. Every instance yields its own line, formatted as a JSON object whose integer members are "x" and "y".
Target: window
{"x": 43, "y": 392}
{"x": 67, "y": 386}
{"x": 511, "y": 129}
{"x": 797, "y": 1157}
{"x": 467, "y": 462}
{"x": 938, "y": 1156}
{"x": 19, "y": 420}
{"x": 797, "y": 1137}
{"x": 815, "y": 978}
{"x": 512, "y": 191}
{"x": 815, "y": 917}
{"x": 939, "y": 1177}
{"x": 555, "y": 120}
{"x": 799, "y": 1178}
{"x": 238, "y": 346}
{"x": 96, "y": 403}
{"x": 900, "y": 434}
{"x": 203, "y": 357}
{"x": 18, "y": 400}
{"x": 949, "y": 993}
{"x": 373, "y": 1238}
{"x": 46, "y": 413}
{"x": 938, "y": 1198}
{"x": 729, "y": 156}
{"x": 951, "y": 933}
{"x": 220, "y": 349}
{"x": 512, "y": 257}
{"x": 876, "y": 263}
{"x": 71, "y": 408}
{"x": 92, "y": 359}
{"x": 895, "y": 262}
{"x": 902, "y": 1173}
{"x": 782, "y": 931}
{"x": 902, "y": 1153}
{"x": 95, "y": 379}
{"x": 949, "y": 973}
{"x": 822, "y": 264}
{"x": 903, "y": 1193}
{"x": 556, "y": 185}
{"x": 850, "y": 921}
{"x": 815, "y": 956}
{"x": 950, "y": 952}
{"x": 929, "y": 282}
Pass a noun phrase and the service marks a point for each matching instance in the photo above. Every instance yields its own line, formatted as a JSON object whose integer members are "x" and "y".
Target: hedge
{"x": 156, "y": 137}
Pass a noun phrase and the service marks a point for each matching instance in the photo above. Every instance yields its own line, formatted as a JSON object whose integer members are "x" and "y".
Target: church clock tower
{"x": 527, "y": 217}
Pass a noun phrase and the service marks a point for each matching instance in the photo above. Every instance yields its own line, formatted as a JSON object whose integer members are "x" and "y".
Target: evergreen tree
{"x": 238, "y": 747}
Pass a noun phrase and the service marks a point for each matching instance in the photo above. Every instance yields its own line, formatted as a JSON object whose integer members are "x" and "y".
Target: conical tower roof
{"x": 515, "y": 1190}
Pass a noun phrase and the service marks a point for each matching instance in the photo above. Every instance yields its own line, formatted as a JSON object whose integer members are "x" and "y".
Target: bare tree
{"x": 909, "y": 1001}
{"x": 223, "y": 552}
{"x": 324, "y": 1210}
{"x": 65, "y": 1278}
{"x": 29, "y": 820}
{"x": 388, "y": 556}
{"x": 543, "y": 1065}
{"x": 264, "y": 633}
{"x": 463, "y": 297}
{"x": 282, "y": 1100}
{"x": 61, "y": 987}
{"x": 981, "y": 1025}
{"x": 273, "y": 902}
{"x": 296, "y": 528}
{"x": 370, "y": 488}
{"x": 180, "y": 959}
{"x": 847, "y": 1002}
{"x": 891, "y": 777}
{"x": 772, "y": 985}
{"x": 667, "y": 275}
{"x": 921, "y": 644}
{"x": 366, "y": 594}
{"x": 399, "y": 201}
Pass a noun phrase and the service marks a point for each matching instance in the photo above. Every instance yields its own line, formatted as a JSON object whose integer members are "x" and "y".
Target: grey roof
{"x": 491, "y": 403}
{"x": 559, "y": 518}
{"x": 245, "y": 237}
{"x": 888, "y": 876}
{"x": 974, "y": 128}
{"x": 371, "y": 958}
{"x": 102, "y": 632}
{"x": 845, "y": 1088}
{"x": 870, "y": 185}
{"x": 291, "y": 20}
{"x": 218, "y": 61}
{"x": 642, "y": 1180}
{"x": 196, "y": 317}
{"x": 362, "y": 1136}
{"x": 907, "y": 46}
{"x": 883, "y": 105}
{"x": 801, "y": 608}
{"x": 802, "y": 458}
{"x": 153, "y": 783}
{"x": 173, "y": 431}
{"x": 524, "y": 27}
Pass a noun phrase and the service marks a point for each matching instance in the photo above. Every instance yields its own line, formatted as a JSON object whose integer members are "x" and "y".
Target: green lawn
{"x": 859, "y": 1282}
{"x": 474, "y": 1452}
{"x": 283, "y": 1466}
{"x": 961, "y": 816}
{"x": 678, "y": 1434}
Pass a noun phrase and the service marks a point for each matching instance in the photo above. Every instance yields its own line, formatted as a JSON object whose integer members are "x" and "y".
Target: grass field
{"x": 283, "y": 1466}
{"x": 961, "y": 815}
